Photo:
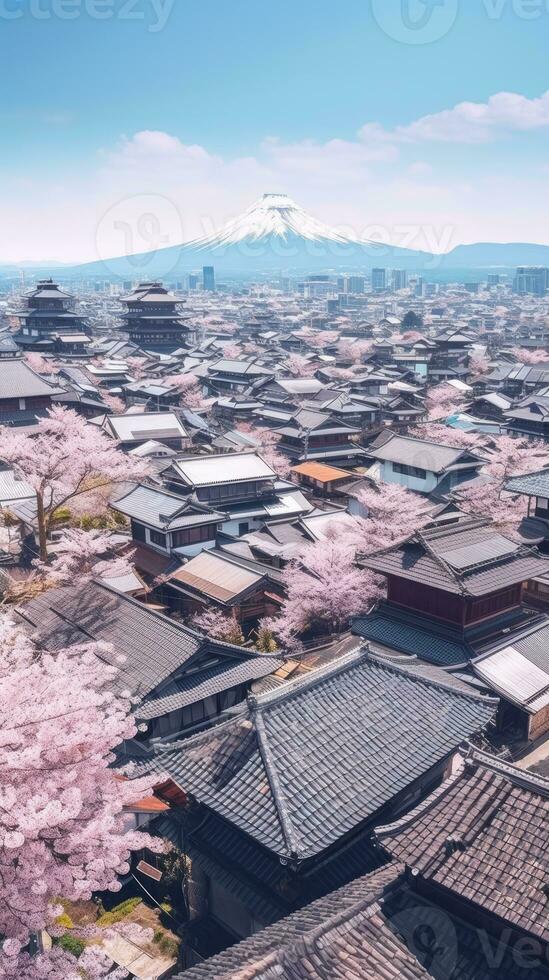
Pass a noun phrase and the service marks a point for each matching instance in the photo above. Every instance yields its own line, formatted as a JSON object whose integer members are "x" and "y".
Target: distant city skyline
{"x": 144, "y": 132}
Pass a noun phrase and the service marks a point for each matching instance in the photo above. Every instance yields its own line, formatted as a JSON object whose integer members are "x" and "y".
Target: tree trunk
{"x": 42, "y": 536}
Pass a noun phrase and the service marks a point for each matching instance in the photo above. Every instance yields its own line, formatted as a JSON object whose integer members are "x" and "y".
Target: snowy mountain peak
{"x": 274, "y": 216}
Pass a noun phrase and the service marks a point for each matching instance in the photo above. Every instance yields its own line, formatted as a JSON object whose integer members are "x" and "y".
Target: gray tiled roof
{"x": 326, "y": 752}
{"x": 154, "y": 646}
{"x": 194, "y": 687}
{"x": 17, "y": 380}
{"x": 418, "y": 636}
{"x": 161, "y": 509}
{"x": 531, "y": 484}
{"x": 374, "y": 928}
{"x": 470, "y": 559}
{"x": 420, "y": 452}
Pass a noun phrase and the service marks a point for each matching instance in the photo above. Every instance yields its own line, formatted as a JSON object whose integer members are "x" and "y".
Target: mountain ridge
{"x": 276, "y": 234}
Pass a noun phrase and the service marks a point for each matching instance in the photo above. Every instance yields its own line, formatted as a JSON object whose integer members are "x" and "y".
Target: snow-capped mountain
{"x": 274, "y": 216}
{"x": 277, "y": 235}
{"x": 274, "y": 233}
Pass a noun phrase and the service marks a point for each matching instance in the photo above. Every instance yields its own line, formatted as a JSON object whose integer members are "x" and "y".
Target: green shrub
{"x": 71, "y": 945}
{"x": 119, "y": 912}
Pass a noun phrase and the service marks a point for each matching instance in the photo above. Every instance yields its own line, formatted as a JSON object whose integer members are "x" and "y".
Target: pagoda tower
{"x": 153, "y": 320}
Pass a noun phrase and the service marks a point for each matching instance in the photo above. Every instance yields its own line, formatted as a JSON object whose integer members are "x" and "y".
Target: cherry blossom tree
{"x": 40, "y": 364}
{"x": 446, "y": 435}
{"x": 299, "y": 366}
{"x": 190, "y": 392}
{"x": 524, "y": 356}
{"x": 508, "y": 457}
{"x": 478, "y": 364}
{"x": 441, "y": 401}
{"x": 220, "y": 625}
{"x": 267, "y": 446}
{"x": 324, "y": 588}
{"x": 393, "y": 514}
{"x": 354, "y": 351}
{"x": 82, "y": 555}
{"x": 114, "y": 404}
{"x": 62, "y": 825}
{"x": 64, "y": 460}
{"x": 231, "y": 350}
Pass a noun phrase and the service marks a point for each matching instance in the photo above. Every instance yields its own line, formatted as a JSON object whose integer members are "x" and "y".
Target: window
{"x": 157, "y": 538}
{"x": 193, "y": 535}
{"x": 416, "y": 471}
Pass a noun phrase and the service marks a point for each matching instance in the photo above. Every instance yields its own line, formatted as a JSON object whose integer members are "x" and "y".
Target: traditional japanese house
{"x": 134, "y": 430}
{"x": 529, "y": 418}
{"x": 242, "y": 485}
{"x": 245, "y": 589}
{"x": 24, "y": 395}
{"x": 421, "y": 465}
{"x": 180, "y": 678}
{"x": 314, "y": 435}
{"x": 451, "y": 591}
{"x": 170, "y": 524}
{"x": 287, "y": 790}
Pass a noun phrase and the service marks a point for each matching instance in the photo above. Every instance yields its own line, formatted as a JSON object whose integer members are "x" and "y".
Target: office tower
{"x": 419, "y": 288}
{"x": 341, "y": 284}
{"x": 399, "y": 279}
{"x": 355, "y": 284}
{"x": 208, "y": 279}
{"x": 379, "y": 280}
{"x": 192, "y": 281}
{"x": 493, "y": 279}
{"x": 531, "y": 279}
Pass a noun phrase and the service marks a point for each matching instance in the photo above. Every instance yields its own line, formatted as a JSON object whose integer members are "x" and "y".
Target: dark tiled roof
{"x": 300, "y": 767}
{"x": 17, "y": 380}
{"x": 532, "y": 484}
{"x": 420, "y": 452}
{"x": 416, "y": 635}
{"x": 483, "y": 835}
{"x": 374, "y": 928}
{"x": 194, "y": 687}
{"x": 470, "y": 559}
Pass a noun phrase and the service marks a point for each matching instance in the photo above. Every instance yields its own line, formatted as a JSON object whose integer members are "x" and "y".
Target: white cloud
{"x": 470, "y": 122}
{"x": 353, "y": 184}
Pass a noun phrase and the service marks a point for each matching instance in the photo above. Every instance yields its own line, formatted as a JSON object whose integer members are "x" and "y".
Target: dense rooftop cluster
{"x": 298, "y": 538}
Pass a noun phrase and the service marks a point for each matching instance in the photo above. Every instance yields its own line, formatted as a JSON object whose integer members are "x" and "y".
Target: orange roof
{"x": 320, "y": 471}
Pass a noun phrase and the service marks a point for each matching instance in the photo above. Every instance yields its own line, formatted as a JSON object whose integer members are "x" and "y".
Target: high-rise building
{"x": 355, "y": 284}
{"x": 379, "y": 280}
{"x": 531, "y": 279}
{"x": 153, "y": 321}
{"x": 208, "y": 279}
{"x": 341, "y": 284}
{"x": 399, "y": 279}
{"x": 419, "y": 287}
{"x": 493, "y": 279}
{"x": 192, "y": 281}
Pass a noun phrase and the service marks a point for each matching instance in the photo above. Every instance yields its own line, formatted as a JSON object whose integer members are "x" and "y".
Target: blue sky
{"x": 200, "y": 107}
